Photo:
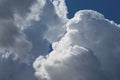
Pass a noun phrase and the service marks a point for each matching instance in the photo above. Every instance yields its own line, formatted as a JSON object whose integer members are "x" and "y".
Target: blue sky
{"x": 109, "y": 8}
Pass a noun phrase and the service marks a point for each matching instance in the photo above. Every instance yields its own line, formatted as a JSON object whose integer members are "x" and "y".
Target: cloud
{"x": 14, "y": 70}
{"x": 46, "y": 13}
{"x": 31, "y": 19}
{"x": 24, "y": 27}
{"x": 101, "y": 36}
{"x": 60, "y": 7}
{"x": 85, "y": 47}
{"x": 73, "y": 63}
{"x": 89, "y": 50}
{"x": 13, "y": 41}
{"x": 9, "y": 8}
{"x": 54, "y": 22}
{"x": 46, "y": 28}
{"x": 14, "y": 46}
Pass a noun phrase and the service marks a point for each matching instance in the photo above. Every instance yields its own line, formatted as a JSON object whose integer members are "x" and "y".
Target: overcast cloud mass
{"x": 86, "y": 47}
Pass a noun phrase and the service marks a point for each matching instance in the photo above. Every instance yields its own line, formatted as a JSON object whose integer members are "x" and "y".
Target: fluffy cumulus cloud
{"x": 89, "y": 50}
{"x": 72, "y": 63}
{"x": 85, "y": 47}
{"x": 90, "y": 29}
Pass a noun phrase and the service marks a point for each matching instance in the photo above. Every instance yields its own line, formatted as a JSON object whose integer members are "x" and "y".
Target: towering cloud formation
{"x": 99, "y": 35}
{"x": 85, "y": 47}
{"x": 88, "y": 51}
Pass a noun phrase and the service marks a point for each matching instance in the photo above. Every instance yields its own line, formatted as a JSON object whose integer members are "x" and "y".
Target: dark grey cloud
{"x": 8, "y": 33}
{"x": 14, "y": 46}
{"x": 11, "y": 36}
{"x": 13, "y": 70}
{"x": 9, "y": 7}
{"x": 13, "y": 40}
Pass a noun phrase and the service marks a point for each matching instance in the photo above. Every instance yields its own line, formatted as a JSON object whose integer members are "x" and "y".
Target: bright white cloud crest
{"x": 85, "y": 47}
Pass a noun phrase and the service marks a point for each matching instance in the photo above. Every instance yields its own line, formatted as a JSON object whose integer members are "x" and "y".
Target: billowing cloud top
{"x": 89, "y": 50}
{"x": 85, "y": 47}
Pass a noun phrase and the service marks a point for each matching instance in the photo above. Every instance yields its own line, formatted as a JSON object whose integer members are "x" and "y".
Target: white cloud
{"x": 60, "y": 7}
{"x": 73, "y": 63}
{"x": 101, "y": 36}
{"x": 88, "y": 29}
